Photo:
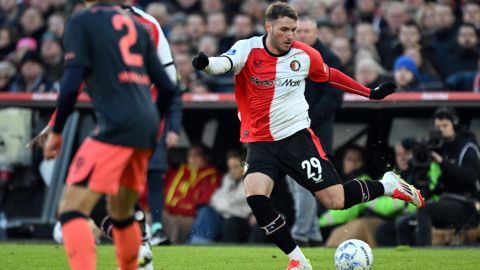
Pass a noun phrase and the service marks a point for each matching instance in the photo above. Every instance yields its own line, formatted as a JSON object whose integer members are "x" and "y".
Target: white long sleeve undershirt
{"x": 218, "y": 65}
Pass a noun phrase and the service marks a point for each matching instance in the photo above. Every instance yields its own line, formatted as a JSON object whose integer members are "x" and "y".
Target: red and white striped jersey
{"x": 269, "y": 89}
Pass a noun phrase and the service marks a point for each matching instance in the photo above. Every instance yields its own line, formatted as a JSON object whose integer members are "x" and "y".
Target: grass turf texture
{"x": 50, "y": 256}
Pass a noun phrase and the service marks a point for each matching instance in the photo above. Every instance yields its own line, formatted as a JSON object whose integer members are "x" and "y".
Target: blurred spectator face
{"x": 444, "y": 16}
{"x": 365, "y": 35}
{"x": 198, "y": 87}
{"x": 301, "y": 6}
{"x": 42, "y": 5}
{"x": 352, "y": 161}
{"x": 412, "y": 4}
{"x": 196, "y": 157}
{"x": 183, "y": 62}
{"x": 366, "y": 6}
{"x": 51, "y": 52}
{"x": 445, "y": 126}
{"x": 179, "y": 43}
{"x": 338, "y": 15}
{"x": 403, "y": 77}
{"x": 208, "y": 45}
{"x": 395, "y": 16}
{"x": 307, "y": 31}
{"x": 5, "y": 39}
{"x": 211, "y": 6}
{"x": 467, "y": 37}
{"x": 326, "y": 35}
{"x": 31, "y": 70}
{"x": 31, "y": 21}
{"x": 159, "y": 12}
{"x": 56, "y": 24}
{"x": 243, "y": 26}
{"x": 416, "y": 55}
{"x": 318, "y": 10}
{"x": 235, "y": 168}
{"x": 471, "y": 14}
{"x": 410, "y": 36}
{"x": 366, "y": 71}
{"x": 185, "y": 4}
{"x": 7, "y": 71}
{"x": 23, "y": 46}
{"x": 195, "y": 26}
{"x": 8, "y": 5}
{"x": 255, "y": 8}
{"x": 216, "y": 24}
{"x": 402, "y": 157}
{"x": 428, "y": 18}
{"x": 341, "y": 47}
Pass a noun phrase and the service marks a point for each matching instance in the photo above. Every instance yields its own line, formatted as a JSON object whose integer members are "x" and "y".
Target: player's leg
{"x": 261, "y": 170}
{"x": 155, "y": 202}
{"x": 79, "y": 242}
{"x": 121, "y": 207}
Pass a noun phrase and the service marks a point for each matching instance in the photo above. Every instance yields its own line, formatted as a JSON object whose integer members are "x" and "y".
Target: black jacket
{"x": 460, "y": 166}
{"x": 322, "y": 98}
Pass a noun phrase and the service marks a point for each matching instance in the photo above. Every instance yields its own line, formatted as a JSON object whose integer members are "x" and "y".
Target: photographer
{"x": 458, "y": 157}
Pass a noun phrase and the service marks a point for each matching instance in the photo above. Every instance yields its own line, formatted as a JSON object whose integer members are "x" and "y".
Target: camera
{"x": 421, "y": 159}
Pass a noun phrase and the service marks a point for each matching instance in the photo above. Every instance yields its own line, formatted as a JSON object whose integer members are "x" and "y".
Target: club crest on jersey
{"x": 295, "y": 65}
{"x": 231, "y": 52}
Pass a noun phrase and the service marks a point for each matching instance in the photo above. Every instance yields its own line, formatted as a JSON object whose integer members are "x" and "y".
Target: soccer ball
{"x": 353, "y": 254}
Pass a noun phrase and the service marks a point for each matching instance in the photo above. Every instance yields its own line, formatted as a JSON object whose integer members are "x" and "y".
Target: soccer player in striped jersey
{"x": 270, "y": 73}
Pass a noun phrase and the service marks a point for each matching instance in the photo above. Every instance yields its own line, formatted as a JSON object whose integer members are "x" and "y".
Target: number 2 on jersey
{"x": 127, "y": 41}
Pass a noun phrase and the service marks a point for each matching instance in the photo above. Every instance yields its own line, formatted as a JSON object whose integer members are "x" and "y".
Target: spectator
{"x": 7, "y": 41}
{"x": 405, "y": 73}
{"x": 226, "y": 217}
{"x": 52, "y": 55}
{"x": 160, "y": 12}
{"x": 243, "y": 27}
{"x": 366, "y": 11}
{"x": 341, "y": 47}
{"x": 395, "y": 15}
{"x": 209, "y": 6}
{"x": 476, "y": 81}
{"x": 463, "y": 60}
{"x": 10, "y": 12}
{"x": 471, "y": 13}
{"x": 45, "y": 7}
{"x": 23, "y": 46}
{"x": 459, "y": 160}
{"x": 32, "y": 24}
{"x": 427, "y": 75}
{"x": 400, "y": 230}
{"x": 188, "y": 6}
{"x": 339, "y": 19}
{"x": 187, "y": 74}
{"x": 443, "y": 41}
{"x": 56, "y": 25}
{"x": 195, "y": 28}
{"x": 427, "y": 19}
{"x": 365, "y": 36}
{"x": 256, "y": 10}
{"x": 7, "y": 75}
{"x": 209, "y": 45}
{"x": 32, "y": 77}
{"x": 217, "y": 24}
{"x": 369, "y": 72}
{"x": 326, "y": 35}
{"x": 187, "y": 189}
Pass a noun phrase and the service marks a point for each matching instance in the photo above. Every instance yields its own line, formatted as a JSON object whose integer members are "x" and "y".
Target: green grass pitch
{"x": 50, "y": 256}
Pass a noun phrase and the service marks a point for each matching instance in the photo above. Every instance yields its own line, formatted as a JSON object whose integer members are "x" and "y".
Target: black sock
{"x": 359, "y": 191}
{"x": 272, "y": 222}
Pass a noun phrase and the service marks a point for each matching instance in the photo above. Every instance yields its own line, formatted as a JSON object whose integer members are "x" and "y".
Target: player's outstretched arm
{"x": 343, "y": 82}
{"x": 212, "y": 65}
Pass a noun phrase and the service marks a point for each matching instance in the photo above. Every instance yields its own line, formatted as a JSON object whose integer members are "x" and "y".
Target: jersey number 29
{"x": 128, "y": 40}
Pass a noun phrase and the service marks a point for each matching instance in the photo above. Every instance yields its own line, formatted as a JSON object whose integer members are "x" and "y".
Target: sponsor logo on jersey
{"x": 278, "y": 82}
{"x": 295, "y": 65}
{"x": 257, "y": 63}
{"x": 231, "y": 52}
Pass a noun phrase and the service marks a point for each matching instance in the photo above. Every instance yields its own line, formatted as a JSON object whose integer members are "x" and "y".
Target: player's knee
{"x": 333, "y": 201}
{"x": 118, "y": 211}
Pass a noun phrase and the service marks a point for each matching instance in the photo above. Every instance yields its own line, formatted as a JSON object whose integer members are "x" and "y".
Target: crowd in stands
{"x": 423, "y": 45}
